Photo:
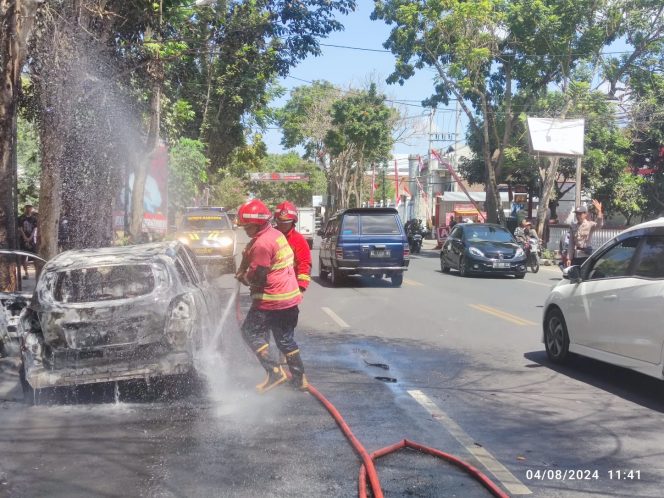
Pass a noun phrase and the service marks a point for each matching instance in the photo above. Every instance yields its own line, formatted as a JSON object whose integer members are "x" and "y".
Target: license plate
{"x": 203, "y": 250}
{"x": 497, "y": 264}
{"x": 379, "y": 253}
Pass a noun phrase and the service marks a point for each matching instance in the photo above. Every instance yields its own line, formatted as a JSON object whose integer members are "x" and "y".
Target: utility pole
{"x": 577, "y": 187}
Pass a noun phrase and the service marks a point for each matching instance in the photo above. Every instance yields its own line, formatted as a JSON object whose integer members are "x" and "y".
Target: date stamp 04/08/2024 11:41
{"x": 582, "y": 474}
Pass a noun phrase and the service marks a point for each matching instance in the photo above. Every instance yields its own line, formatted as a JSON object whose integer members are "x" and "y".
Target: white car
{"x": 612, "y": 307}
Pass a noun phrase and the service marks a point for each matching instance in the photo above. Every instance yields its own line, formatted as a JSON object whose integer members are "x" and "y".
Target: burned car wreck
{"x": 113, "y": 314}
{"x": 11, "y": 305}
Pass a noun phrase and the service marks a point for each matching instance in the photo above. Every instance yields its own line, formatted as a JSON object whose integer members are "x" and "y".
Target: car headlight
{"x": 519, "y": 252}
{"x": 225, "y": 242}
{"x": 475, "y": 252}
{"x": 184, "y": 240}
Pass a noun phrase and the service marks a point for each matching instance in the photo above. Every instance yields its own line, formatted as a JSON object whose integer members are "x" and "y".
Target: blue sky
{"x": 356, "y": 68}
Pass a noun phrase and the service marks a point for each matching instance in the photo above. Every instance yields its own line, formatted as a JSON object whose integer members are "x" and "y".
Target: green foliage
{"x": 29, "y": 162}
{"x": 307, "y": 117}
{"x": 229, "y": 192}
{"x": 187, "y": 168}
{"x": 628, "y": 196}
{"x": 362, "y": 122}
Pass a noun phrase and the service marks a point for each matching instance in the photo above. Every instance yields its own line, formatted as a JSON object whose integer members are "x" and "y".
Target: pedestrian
{"x": 452, "y": 222}
{"x": 27, "y": 229}
{"x": 285, "y": 216}
{"x": 267, "y": 268}
{"x": 580, "y": 234}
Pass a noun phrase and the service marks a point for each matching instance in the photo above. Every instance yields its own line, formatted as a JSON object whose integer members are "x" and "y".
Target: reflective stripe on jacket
{"x": 302, "y": 253}
{"x": 271, "y": 250}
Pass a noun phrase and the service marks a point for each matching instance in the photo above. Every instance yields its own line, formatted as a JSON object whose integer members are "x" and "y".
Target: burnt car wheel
{"x": 556, "y": 338}
{"x": 32, "y": 396}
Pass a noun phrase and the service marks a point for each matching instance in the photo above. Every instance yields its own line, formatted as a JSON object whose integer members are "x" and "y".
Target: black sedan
{"x": 482, "y": 248}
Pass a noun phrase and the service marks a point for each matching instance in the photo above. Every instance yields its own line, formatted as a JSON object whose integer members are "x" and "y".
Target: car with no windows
{"x": 118, "y": 313}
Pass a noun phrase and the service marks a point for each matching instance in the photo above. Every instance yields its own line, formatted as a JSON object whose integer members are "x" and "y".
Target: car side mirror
{"x": 573, "y": 274}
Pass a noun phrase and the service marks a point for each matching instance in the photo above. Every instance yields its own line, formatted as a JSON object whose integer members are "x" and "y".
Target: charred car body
{"x": 11, "y": 305}
{"x": 117, "y": 313}
{"x": 208, "y": 231}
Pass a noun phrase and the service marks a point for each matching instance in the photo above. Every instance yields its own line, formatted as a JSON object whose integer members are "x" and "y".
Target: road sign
{"x": 279, "y": 177}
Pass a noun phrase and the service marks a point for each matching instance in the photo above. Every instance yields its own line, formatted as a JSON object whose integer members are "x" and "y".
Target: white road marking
{"x": 337, "y": 319}
{"x": 415, "y": 283}
{"x": 500, "y": 472}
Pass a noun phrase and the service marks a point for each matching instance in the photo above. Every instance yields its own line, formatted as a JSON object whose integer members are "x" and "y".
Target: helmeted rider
{"x": 267, "y": 268}
{"x": 285, "y": 216}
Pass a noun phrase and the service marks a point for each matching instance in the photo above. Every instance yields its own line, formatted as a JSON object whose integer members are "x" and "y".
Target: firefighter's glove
{"x": 302, "y": 289}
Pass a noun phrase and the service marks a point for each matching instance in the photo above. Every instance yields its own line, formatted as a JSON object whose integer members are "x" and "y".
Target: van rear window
{"x": 385, "y": 224}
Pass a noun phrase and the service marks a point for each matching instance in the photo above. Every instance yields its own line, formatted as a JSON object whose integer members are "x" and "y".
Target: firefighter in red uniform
{"x": 267, "y": 268}
{"x": 285, "y": 215}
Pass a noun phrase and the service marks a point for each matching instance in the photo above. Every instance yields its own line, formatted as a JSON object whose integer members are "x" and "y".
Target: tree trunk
{"x": 50, "y": 193}
{"x": 547, "y": 189}
{"x": 141, "y": 172}
{"x": 16, "y": 21}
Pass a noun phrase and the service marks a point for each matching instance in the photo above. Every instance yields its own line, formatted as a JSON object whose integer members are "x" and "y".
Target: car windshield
{"x": 487, "y": 233}
{"x": 103, "y": 283}
{"x": 206, "y": 222}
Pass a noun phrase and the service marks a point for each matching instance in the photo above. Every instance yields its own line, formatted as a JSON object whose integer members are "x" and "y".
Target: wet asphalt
{"x": 471, "y": 347}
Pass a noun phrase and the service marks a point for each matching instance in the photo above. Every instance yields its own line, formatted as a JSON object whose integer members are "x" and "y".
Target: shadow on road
{"x": 627, "y": 384}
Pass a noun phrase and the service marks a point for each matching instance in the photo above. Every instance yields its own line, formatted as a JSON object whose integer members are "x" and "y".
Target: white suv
{"x": 612, "y": 307}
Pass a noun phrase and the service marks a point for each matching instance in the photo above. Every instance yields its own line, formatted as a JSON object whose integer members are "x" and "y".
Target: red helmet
{"x": 286, "y": 211}
{"x": 253, "y": 212}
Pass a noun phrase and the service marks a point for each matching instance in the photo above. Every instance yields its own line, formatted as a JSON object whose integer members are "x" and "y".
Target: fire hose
{"x": 368, "y": 470}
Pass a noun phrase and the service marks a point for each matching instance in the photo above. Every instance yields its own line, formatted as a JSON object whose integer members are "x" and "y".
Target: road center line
{"x": 500, "y": 472}
{"x": 502, "y": 314}
{"x": 337, "y": 319}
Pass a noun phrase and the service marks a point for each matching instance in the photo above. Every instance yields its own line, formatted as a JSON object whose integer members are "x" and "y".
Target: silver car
{"x": 114, "y": 314}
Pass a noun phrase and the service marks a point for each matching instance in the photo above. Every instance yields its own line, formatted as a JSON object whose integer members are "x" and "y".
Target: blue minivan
{"x": 364, "y": 241}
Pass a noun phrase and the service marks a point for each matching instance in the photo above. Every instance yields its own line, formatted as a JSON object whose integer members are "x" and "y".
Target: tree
{"x": 483, "y": 52}
{"x": 187, "y": 171}
{"x": 29, "y": 162}
{"x": 361, "y": 135}
{"x": 16, "y": 21}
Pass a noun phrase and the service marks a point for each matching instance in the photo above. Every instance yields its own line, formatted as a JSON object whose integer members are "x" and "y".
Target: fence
{"x": 599, "y": 236}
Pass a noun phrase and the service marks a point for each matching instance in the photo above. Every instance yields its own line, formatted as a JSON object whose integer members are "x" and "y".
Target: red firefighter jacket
{"x": 302, "y": 257}
{"x": 270, "y": 271}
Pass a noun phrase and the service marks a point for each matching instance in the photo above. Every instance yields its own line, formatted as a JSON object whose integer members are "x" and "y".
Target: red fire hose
{"x": 368, "y": 468}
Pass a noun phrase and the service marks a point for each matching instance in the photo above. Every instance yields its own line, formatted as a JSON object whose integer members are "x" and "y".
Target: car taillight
{"x": 406, "y": 250}
{"x": 181, "y": 319}
{"x": 339, "y": 253}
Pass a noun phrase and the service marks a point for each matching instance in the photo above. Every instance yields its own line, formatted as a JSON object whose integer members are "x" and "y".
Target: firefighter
{"x": 267, "y": 268}
{"x": 285, "y": 216}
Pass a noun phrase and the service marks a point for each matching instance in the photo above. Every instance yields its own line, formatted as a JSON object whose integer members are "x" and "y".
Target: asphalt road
{"x": 471, "y": 377}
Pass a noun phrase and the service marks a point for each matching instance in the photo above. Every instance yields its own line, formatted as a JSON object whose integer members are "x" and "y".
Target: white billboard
{"x": 556, "y": 137}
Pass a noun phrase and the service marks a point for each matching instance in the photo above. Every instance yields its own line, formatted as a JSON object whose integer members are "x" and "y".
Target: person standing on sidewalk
{"x": 267, "y": 268}
{"x": 285, "y": 215}
{"x": 580, "y": 234}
